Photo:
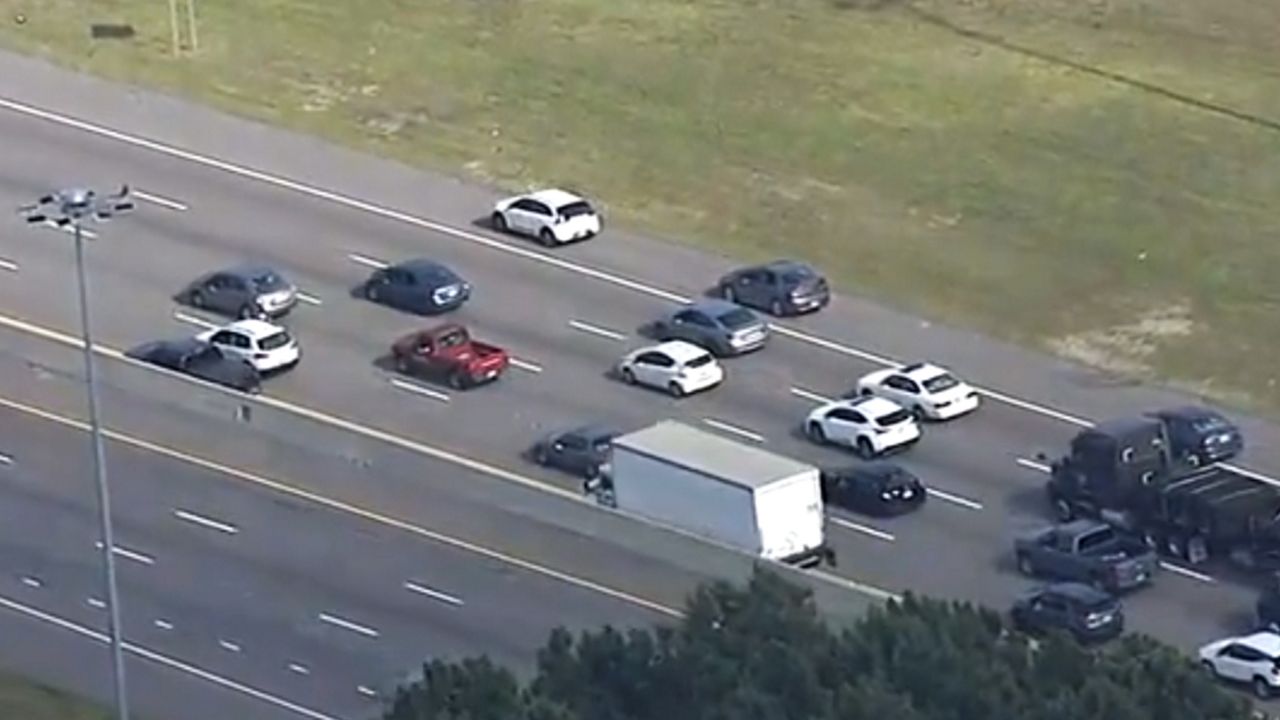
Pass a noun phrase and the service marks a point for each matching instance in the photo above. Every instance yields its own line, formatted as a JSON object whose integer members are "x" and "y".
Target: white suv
{"x": 869, "y": 425}
{"x": 1250, "y": 659}
{"x": 554, "y": 217}
{"x": 927, "y": 390}
{"x": 265, "y": 346}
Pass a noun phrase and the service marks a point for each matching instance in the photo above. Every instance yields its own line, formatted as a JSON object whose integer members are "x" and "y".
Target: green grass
{"x": 24, "y": 700}
{"x": 939, "y": 173}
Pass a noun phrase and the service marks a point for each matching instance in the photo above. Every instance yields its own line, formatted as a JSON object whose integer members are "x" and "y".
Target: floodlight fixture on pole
{"x": 72, "y": 208}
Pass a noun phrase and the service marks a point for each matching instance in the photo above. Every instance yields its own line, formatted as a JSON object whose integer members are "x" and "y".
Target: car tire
{"x": 1193, "y": 460}
{"x": 1209, "y": 668}
{"x": 1063, "y": 511}
{"x": 547, "y": 238}
{"x": 198, "y": 300}
{"x": 402, "y": 365}
{"x": 676, "y": 389}
{"x": 247, "y": 312}
{"x": 540, "y": 456}
{"x": 628, "y": 377}
{"x": 498, "y": 222}
{"x": 457, "y": 380}
{"x": 864, "y": 448}
{"x": 865, "y": 392}
{"x": 1262, "y": 689}
{"x": 816, "y": 433}
{"x": 592, "y": 472}
{"x": 918, "y": 413}
{"x": 728, "y": 294}
{"x": 777, "y": 309}
{"x": 371, "y": 293}
{"x": 1025, "y": 566}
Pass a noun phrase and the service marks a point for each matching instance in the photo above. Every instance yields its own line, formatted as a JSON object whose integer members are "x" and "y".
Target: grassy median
{"x": 971, "y": 160}
{"x": 21, "y": 699}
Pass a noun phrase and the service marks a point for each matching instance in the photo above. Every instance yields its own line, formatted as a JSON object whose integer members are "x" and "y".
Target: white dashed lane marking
{"x": 754, "y": 437}
{"x": 418, "y": 389}
{"x": 864, "y": 529}
{"x": 308, "y": 298}
{"x": 158, "y": 200}
{"x": 367, "y": 261}
{"x": 7, "y": 264}
{"x": 133, "y": 555}
{"x": 433, "y": 594}
{"x": 193, "y": 320}
{"x": 345, "y": 624}
{"x": 203, "y": 521}
{"x": 596, "y": 330}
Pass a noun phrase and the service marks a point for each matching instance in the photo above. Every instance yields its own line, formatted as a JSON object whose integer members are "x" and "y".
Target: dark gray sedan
{"x": 782, "y": 287}
{"x": 581, "y": 451}
{"x": 721, "y": 327}
{"x": 246, "y": 291}
{"x": 418, "y": 286}
{"x": 200, "y": 359}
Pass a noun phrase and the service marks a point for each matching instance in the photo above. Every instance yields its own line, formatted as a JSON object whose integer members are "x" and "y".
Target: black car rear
{"x": 1199, "y": 436}
{"x": 878, "y": 489}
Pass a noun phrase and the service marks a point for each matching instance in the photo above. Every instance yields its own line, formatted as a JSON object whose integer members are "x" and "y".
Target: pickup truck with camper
{"x": 1124, "y": 473}
{"x": 448, "y": 352}
{"x": 1088, "y": 552}
{"x": 734, "y": 494}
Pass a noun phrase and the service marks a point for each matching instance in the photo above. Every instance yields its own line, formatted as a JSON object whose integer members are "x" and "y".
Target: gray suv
{"x": 247, "y": 291}
{"x": 719, "y": 326}
{"x": 782, "y": 287}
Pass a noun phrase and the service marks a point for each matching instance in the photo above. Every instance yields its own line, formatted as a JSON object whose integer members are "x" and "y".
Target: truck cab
{"x": 449, "y": 352}
{"x": 1106, "y": 466}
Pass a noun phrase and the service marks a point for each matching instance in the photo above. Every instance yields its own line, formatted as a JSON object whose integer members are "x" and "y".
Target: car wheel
{"x": 402, "y": 365}
{"x": 1025, "y": 566}
{"x": 816, "y": 433}
{"x": 1261, "y": 688}
{"x": 457, "y": 380}
{"x": 547, "y": 238}
{"x": 628, "y": 377}
{"x": 775, "y": 308}
{"x": 372, "y": 293}
{"x": 540, "y": 456}
{"x": 498, "y": 222}
{"x": 728, "y": 294}
{"x": 1193, "y": 460}
{"x": 864, "y": 448}
{"x": 676, "y": 389}
{"x": 247, "y": 312}
{"x": 865, "y": 392}
{"x": 1209, "y": 668}
{"x": 918, "y": 413}
{"x": 1063, "y": 510}
{"x": 197, "y": 299}
{"x": 592, "y": 472}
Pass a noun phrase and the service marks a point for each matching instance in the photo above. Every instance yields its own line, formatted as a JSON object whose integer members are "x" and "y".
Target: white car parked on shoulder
{"x": 554, "y": 217}
{"x": 678, "y": 367}
{"x": 870, "y": 425}
{"x": 928, "y": 391}
{"x": 1253, "y": 660}
{"x": 265, "y": 346}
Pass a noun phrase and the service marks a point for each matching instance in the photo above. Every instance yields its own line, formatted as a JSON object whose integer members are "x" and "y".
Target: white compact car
{"x": 869, "y": 425}
{"x": 265, "y": 346}
{"x": 1250, "y": 659}
{"x": 929, "y": 391}
{"x": 679, "y": 367}
{"x": 554, "y": 217}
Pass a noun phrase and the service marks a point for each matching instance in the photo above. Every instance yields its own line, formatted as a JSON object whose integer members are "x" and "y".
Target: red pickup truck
{"x": 449, "y": 352}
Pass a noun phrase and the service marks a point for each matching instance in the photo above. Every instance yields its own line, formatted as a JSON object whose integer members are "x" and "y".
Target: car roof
{"x": 178, "y": 346}
{"x": 713, "y": 456}
{"x": 1188, "y": 412}
{"x": 1264, "y": 641}
{"x": 254, "y": 328}
{"x": 869, "y": 405}
{"x": 679, "y": 350}
{"x": 922, "y": 371}
{"x": 555, "y": 197}
{"x": 782, "y": 266}
{"x": 593, "y": 432}
{"x": 1081, "y": 593}
{"x": 879, "y": 470}
{"x": 713, "y": 306}
{"x": 252, "y": 270}
{"x": 423, "y": 267}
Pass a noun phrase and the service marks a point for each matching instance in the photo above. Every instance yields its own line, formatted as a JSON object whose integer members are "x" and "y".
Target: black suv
{"x": 879, "y": 489}
{"x": 1200, "y": 436}
{"x": 1086, "y": 613}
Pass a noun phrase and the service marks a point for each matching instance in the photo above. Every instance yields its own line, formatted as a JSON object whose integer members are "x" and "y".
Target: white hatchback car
{"x": 265, "y": 346}
{"x": 679, "y": 367}
{"x": 1250, "y": 659}
{"x": 869, "y": 425}
{"x": 554, "y": 217}
{"x": 929, "y": 391}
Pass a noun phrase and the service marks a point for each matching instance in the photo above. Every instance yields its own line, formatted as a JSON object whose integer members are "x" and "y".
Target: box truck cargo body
{"x": 753, "y": 500}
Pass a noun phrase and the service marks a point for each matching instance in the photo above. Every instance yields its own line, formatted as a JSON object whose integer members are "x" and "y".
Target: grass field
{"x": 987, "y": 178}
{"x": 23, "y": 700}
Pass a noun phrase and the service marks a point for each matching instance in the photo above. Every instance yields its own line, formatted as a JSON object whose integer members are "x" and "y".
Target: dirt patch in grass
{"x": 1051, "y": 171}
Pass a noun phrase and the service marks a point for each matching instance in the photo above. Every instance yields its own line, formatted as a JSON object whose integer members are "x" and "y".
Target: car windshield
{"x": 894, "y": 418}
{"x": 699, "y": 361}
{"x": 277, "y": 340}
{"x": 268, "y": 281}
{"x": 941, "y": 383}
{"x": 1210, "y": 424}
{"x": 737, "y": 318}
{"x": 574, "y": 209}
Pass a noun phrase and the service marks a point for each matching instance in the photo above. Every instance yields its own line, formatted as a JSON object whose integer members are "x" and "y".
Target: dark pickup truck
{"x": 448, "y": 352}
{"x": 1088, "y": 552}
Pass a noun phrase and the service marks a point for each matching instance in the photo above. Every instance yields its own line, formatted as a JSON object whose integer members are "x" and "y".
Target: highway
{"x": 423, "y": 452}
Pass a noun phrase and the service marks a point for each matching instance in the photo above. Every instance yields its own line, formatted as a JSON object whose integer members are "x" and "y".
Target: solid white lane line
{"x": 206, "y": 522}
{"x": 299, "y": 668}
{"x": 133, "y": 555}
{"x": 955, "y": 499}
{"x": 85, "y": 233}
{"x": 157, "y": 200}
{"x": 433, "y": 594}
{"x": 596, "y": 330}
{"x": 348, "y": 625}
{"x": 366, "y": 691}
{"x": 229, "y": 646}
{"x": 367, "y": 261}
{"x": 525, "y": 365}
{"x": 189, "y": 319}
{"x": 418, "y": 389}
{"x": 308, "y": 298}
{"x": 7, "y": 264}
{"x": 162, "y": 624}
{"x": 1186, "y": 572}
{"x": 734, "y": 430}
{"x": 1033, "y": 465}
{"x": 810, "y": 395}
{"x": 864, "y": 529}
{"x": 875, "y": 592}
{"x": 159, "y": 659}
{"x": 96, "y": 603}
{"x": 32, "y": 582}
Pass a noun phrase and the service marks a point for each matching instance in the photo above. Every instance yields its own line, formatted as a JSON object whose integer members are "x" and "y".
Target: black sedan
{"x": 419, "y": 286}
{"x": 1200, "y": 436}
{"x": 202, "y": 360}
{"x": 782, "y": 287}
{"x": 581, "y": 451}
{"x": 878, "y": 489}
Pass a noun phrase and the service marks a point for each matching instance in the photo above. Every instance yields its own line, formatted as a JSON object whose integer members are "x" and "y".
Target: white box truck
{"x": 736, "y": 494}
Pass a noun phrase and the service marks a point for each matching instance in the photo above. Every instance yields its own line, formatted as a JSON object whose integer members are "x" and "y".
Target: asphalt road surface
{"x": 323, "y": 216}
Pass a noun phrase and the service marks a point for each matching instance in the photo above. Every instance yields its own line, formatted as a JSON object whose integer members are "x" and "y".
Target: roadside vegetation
{"x": 762, "y": 652}
{"x": 1094, "y": 177}
{"x": 22, "y": 699}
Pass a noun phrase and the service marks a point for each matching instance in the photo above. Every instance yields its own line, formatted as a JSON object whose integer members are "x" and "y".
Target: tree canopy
{"x": 763, "y": 652}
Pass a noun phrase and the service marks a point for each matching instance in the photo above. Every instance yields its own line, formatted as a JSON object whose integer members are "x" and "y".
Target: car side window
{"x": 655, "y": 359}
{"x": 525, "y": 205}
{"x": 539, "y": 208}
{"x": 1053, "y": 604}
{"x": 235, "y": 283}
{"x": 242, "y": 341}
{"x": 575, "y": 443}
{"x": 768, "y": 278}
{"x": 684, "y": 316}
{"x": 698, "y": 318}
{"x": 843, "y": 414}
{"x": 898, "y": 382}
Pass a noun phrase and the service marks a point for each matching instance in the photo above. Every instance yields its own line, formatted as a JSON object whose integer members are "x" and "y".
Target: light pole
{"x": 72, "y": 208}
